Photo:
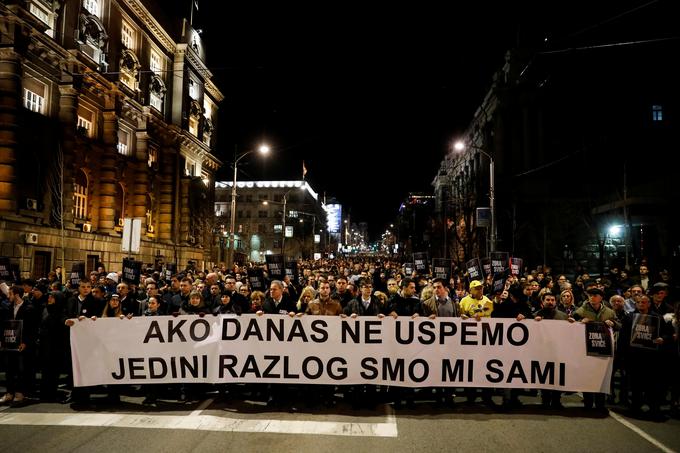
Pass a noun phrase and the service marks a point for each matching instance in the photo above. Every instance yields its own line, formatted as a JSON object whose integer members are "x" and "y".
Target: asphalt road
{"x": 220, "y": 424}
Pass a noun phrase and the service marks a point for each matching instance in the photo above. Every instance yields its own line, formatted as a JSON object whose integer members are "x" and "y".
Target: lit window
{"x": 34, "y": 95}
{"x": 190, "y": 167}
{"x": 128, "y": 36}
{"x": 92, "y": 6}
{"x": 155, "y": 63}
{"x": 156, "y": 93}
{"x": 156, "y": 101}
{"x": 84, "y": 125}
{"x": 207, "y": 108}
{"x": 193, "y": 89}
{"x": 657, "y": 113}
{"x": 129, "y": 67}
{"x": 40, "y": 14}
{"x": 33, "y": 102}
{"x": 80, "y": 196}
{"x": 153, "y": 157}
{"x": 149, "y": 215}
{"x": 193, "y": 126}
{"x": 123, "y": 142}
{"x": 278, "y": 229}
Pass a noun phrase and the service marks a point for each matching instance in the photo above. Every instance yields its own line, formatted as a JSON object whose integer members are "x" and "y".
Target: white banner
{"x": 446, "y": 352}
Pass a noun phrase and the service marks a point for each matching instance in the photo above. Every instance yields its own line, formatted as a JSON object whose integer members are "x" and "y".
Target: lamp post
{"x": 263, "y": 149}
{"x": 460, "y": 146}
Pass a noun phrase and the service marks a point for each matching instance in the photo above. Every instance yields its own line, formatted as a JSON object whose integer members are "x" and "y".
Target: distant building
{"x": 414, "y": 225}
{"x": 260, "y": 225}
{"x": 105, "y": 115}
{"x": 582, "y": 180}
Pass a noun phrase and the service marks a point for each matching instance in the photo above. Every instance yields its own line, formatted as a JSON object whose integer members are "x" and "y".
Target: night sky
{"x": 370, "y": 97}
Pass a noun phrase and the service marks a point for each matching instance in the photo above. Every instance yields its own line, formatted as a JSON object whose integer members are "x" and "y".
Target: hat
{"x": 595, "y": 291}
{"x": 112, "y": 276}
{"x": 475, "y": 284}
{"x": 115, "y": 296}
{"x": 658, "y": 287}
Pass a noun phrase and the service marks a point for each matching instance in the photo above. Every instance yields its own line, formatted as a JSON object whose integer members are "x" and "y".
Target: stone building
{"x": 260, "y": 225}
{"x": 106, "y": 113}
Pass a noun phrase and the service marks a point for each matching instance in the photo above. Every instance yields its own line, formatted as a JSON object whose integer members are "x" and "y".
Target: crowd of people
{"x": 349, "y": 288}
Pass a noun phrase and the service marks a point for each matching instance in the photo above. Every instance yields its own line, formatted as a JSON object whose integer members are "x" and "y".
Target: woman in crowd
{"x": 113, "y": 308}
{"x": 195, "y": 306}
{"x": 305, "y": 298}
{"x": 566, "y": 303}
{"x": 256, "y": 301}
{"x": 225, "y": 306}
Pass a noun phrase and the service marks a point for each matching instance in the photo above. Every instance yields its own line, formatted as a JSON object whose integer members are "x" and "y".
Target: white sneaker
{"x": 7, "y": 398}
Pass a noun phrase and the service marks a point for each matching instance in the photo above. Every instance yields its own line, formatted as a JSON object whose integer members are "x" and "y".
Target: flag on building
{"x": 304, "y": 170}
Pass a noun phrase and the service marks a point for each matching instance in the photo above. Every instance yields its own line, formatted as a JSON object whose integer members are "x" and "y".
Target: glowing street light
{"x": 460, "y": 146}
{"x": 264, "y": 150}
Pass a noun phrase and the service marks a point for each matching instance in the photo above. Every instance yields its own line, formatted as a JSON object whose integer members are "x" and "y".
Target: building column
{"x": 10, "y": 99}
{"x": 107, "y": 171}
{"x": 165, "y": 200}
{"x": 107, "y": 193}
{"x": 68, "y": 111}
{"x": 184, "y": 211}
{"x": 141, "y": 175}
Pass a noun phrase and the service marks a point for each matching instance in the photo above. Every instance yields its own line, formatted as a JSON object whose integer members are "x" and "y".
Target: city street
{"x": 216, "y": 424}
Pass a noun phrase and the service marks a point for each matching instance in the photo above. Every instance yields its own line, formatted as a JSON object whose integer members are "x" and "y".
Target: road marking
{"x": 205, "y": 423}
{"x": 640, "y": 432}
{"x": 202, "y": 407}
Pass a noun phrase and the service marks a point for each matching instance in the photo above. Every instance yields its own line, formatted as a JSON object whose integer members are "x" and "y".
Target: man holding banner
{"x": 595, "y": 311}
{"x": 476, "y": 305}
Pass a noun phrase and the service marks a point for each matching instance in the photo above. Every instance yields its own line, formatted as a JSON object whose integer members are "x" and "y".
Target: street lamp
{"x": 460, "y": 146}
{"x": 264, "y": 150}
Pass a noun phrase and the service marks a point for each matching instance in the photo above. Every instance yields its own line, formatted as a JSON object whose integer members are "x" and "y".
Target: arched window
{"x": 129, "y": 69}
{"x": 120, "y": 205}
{"x": 195, "y": 113}
{"x": 156, "y": 93}
{"x": 80, "y": 187}
{"x": 149, "y": 214}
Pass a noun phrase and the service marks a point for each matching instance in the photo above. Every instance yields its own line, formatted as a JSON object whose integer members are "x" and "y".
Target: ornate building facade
{"x": 105, "y": 115}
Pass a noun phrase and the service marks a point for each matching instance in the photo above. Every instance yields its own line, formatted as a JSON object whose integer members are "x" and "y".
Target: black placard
{"x": 256, "y": 279}
{"x": 516, "y": 265}
{"x": 408, "y": 269}
{"x": 275, "y": 266}
{"x": 132, "y": 271}
{"x": 77, "y": 273}
{"x": 292, "y": 270}
{"x": 499, "y": 279}
{"x": 5, "y": 269}
{"x": 499, "y": 261}
{"x": 486, "y": 266}
{"x": 644, "y": 331}
{"x": 474, "y": 269}
{"x": 441, "y": 268}
{"x": 11, "y": 334}
{"x": 421, "y": 263}
{"x": 598, "y": 339}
